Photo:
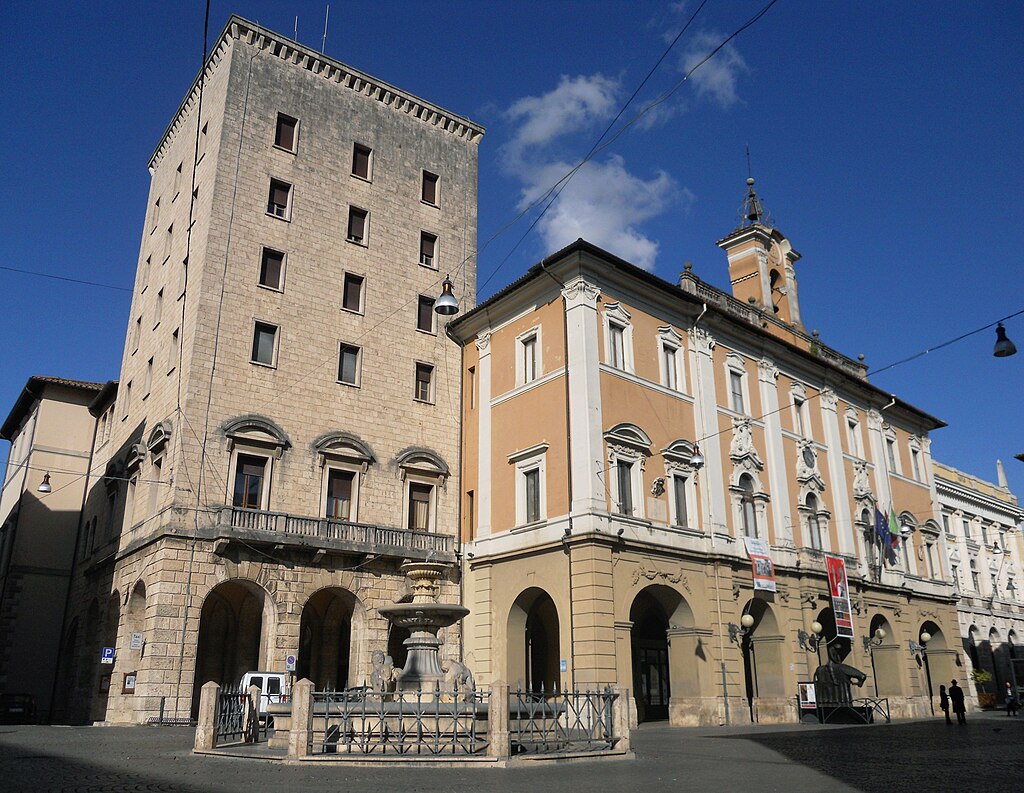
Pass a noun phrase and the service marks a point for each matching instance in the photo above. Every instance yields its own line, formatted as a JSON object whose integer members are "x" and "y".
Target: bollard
{"x": 301, "y": 736}
{"x": 160, "y": 718}
{"x": 499, "y": 741}
{"x": 620, "y": 718}
{"x": 206, "y": 728}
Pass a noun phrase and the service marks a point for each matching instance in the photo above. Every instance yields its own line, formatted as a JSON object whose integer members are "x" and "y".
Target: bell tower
{"x": 761, "y": 262}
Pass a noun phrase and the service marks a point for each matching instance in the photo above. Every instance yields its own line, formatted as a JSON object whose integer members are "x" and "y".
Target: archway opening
{"x": 885, "y": 658}
{"x": 840, "y": 646}
{"x": 325, "y": 639}
{"x": 649, "y": 640}
{"x": 533, "y": 641}
{"x": 232, "y": 635}
{"x": 762, "y": 655}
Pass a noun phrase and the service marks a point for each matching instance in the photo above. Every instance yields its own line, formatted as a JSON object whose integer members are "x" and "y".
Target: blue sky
{"x": 885, "y": 140}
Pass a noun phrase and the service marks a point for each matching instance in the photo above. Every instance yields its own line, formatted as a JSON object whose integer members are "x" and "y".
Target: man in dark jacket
{"x": 956, "y": 699}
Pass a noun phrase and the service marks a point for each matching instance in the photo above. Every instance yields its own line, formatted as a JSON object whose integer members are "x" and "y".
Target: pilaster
{"x": 840, "y": 497}
{"x": 483, "y": 487}
{"x": 767, "y": 377}
{"x": 705, "y": 413}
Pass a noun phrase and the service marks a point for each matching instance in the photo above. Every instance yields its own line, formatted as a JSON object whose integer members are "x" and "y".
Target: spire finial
{"x": 751, "y": 211}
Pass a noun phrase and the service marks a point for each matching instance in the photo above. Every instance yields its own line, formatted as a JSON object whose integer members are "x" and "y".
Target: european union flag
{"x": 882, "y": 529}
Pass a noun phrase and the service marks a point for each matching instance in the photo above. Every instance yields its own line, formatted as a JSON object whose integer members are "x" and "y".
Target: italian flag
{"x": 894, "y": 528}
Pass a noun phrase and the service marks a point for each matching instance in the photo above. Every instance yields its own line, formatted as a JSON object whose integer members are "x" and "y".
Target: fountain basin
{"x": 423, "y": 616}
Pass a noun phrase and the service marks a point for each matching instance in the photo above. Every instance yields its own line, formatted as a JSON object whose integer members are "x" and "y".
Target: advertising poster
{"x": 839, "y": 589}
{"x": 761, "y": 563}
{"x": 807, "y": 696}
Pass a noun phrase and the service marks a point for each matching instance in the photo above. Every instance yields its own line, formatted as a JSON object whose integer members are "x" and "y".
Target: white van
{"x": 274, "y": 686}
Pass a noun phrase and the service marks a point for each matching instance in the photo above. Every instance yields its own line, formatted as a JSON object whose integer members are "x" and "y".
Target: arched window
{"x": 975, "y": 579}
{"x": 813, "y": 523}
{"x": 748, "y": 513}
{"x": 870, "y": 543}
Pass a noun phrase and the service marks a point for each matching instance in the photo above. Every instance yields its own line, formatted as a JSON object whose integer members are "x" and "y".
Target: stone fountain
{"x": 423, "y": 617}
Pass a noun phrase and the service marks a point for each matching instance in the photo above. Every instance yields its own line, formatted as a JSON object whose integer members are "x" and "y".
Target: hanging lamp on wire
{"x": 447, "y": 304}
{"x": 1004, "y": 347}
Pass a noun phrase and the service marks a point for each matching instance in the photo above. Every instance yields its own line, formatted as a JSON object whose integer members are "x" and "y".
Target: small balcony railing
{"x": 367, "y": 537}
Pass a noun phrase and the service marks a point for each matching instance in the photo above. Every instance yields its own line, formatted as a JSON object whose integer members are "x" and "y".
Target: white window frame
{"x": 359, "y": 365}
{"x": 434, "y": 264}
{"x": 277, "y": 343}
{"x": 432, "y": 330}
{"x": 369, "y": 162}
{"x": 670, "y": 340}
{"x": 364, "y": 242}
{"x": 295, "y": 134}
{"x": 287, "y": 216}
{"x": 799, "y": 411}
{"x": 437, "y": 188}
{"x": 853, "y": 436}
{"x": 892, "y": 453}
{"x": 615, "y": 314}
{"x": 526, "y": 460}
{"x": 522, "y": 340}
{"x": 362, "y": 292}
{"x": 734, "y": 364}
{"x": 349, "y": 468}
{"x": 284, "y": 267}
{"x": 240, "y": 448}
{"x": 690, "y": 495}
{"x": 431, "y": 397}
{"x": 420, "y": 479}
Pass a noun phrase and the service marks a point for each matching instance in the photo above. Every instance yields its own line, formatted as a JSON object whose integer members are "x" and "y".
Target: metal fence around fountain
{"x": 438, "y": 722}
{"x": 570, "y": 721}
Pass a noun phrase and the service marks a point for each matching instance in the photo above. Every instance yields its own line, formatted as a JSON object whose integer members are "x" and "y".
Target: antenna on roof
{"x": 750, "y": 173}
{"x": 295, "y": 34}
{"x": 327, "y": 16}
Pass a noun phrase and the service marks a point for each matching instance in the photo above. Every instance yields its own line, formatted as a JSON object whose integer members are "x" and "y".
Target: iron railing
{"x": 437, "y": 722}
{"x": 570, "y": 721}
{"x": 363, "y": 534}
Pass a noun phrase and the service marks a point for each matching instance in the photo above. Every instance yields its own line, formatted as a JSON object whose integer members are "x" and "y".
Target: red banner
{"x": 839, "y": 589}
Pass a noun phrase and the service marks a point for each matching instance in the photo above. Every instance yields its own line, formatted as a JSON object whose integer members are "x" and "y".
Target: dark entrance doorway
{"x": 325, "y": 639}
{"x": 649, "y": 638}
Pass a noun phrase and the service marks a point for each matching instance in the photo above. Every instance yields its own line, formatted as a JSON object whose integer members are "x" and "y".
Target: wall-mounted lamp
{"x": 738, "y": 632}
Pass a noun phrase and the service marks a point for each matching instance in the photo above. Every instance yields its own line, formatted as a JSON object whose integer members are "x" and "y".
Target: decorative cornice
{"x": 701, "y": 341}
{"x": 581, "y": 293}
{"x": 483, "y": 342}
{"x": 307, "y": 59}
{"x": 767, "y": 371}
{"x": 829, "y": 400}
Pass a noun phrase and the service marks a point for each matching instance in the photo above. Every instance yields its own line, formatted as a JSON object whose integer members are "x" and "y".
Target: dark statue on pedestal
{"x": 832, "y": 680}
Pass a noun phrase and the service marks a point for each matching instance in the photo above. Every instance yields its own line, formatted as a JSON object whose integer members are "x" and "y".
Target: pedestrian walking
{"x": 944, "y": 703}
{"x": 956, "y": 699}
{"x": 1012, "y": 706}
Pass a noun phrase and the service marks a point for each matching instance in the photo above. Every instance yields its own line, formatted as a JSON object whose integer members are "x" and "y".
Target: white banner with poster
{"x": 761, "y": 563}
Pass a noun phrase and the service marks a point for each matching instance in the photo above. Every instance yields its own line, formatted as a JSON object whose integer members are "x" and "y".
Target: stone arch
{"x": 998, "y": 659}
{"x": 665, "y": 653}
{"x": 763, "y": 668}
{"x": 533, "y": 639}
{"x": 886, "y": 665}
{"x": 939, "y": 660}
{"x": 236, "y": 630}
{"x": 253, "y": 428}
{"x": 332, "y": 639}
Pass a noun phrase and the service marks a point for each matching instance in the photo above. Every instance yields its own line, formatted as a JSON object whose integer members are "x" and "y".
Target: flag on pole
{"x": 894, "y": 528}
{"x": 882, "y": 528}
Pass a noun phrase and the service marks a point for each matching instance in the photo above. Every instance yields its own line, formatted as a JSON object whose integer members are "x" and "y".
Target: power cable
{"x": 64, "y": 278}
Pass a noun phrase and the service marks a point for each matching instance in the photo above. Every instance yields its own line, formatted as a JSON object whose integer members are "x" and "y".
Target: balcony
{"x": 330, "y": 536}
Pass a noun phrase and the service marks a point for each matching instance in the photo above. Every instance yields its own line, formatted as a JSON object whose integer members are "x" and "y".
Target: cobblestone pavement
{"x": 986, "y": 755}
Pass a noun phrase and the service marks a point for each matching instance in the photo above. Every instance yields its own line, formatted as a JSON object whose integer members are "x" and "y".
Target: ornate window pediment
{"x": 135, "y": 457}
{"x": 346, "y": 447}
{"x": 861, "y": 482}
{"x": 630, "y": 436}
{"x": 159, "y": 436}
{"x": 253, "y": 430}
{"x": 741, "y": 449}
{"x": 808, "y": 473}
{"x": 424, "y": 462}
{"x": 114, "y": 473}
{"x": 678, "y": 455}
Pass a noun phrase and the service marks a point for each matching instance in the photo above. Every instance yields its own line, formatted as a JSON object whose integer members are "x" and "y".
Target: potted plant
{"x": 981, "y": 678}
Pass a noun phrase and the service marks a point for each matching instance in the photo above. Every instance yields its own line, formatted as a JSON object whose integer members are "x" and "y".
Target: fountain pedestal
{"x": 424, "y": 617}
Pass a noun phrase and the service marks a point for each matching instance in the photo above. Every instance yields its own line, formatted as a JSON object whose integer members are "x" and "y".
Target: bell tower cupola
{"x": 761, "y": 262}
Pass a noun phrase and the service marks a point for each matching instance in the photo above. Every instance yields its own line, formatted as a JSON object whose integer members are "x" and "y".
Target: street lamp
{"x": 44, "y": 486}
{"x": 921, "y": 651}
{"x": 870, "y": 643}
{"x": 1004, "y": 347}
{"x": 447, "y": 304}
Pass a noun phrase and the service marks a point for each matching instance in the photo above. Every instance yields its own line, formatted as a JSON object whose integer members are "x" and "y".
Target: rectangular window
{"x": 736, "y": 391}
{"x": 129, "y": 511}
{"x": 137, "y": 334}
{"x": 470, "y": 512}
{"x": 155, "y": 481}
{"x": 361, "y": 156}
{"x": 529, "y": 358}
{"x": 419, "y": 506}
{"x": 202, "y": 141}
{"x": 177, "y": 180}
{"x": 618, "y": 345}
{"x": 147, "y": 383}
{"x": 798, "y": 416}
{"x": 425, "y": 314}
{"x": 156, "y": 215}
{"x": 284, "y": 135}
{"x": 668, "y": 355}
{"x": 127, "y": 401}
{"x": 915, "y": 462}
{"x": 853, "y": 438}
{"x": 272, "y": 269}
{"x": 424, "y": 383}
{"x": 890, "y": 448}
{"x": 173, "y": 351}
{"x": 158, "y": 309}
{"x": 249, "y": 474}
{"x": 679, "y": 495}
{"x": 168, "y": 241}
{"x": 339, "y": 494}
{"x": 967, "y": 528}
{"x": 532, "y": 484}
{"x": 348, "y": 364}
{"x": 280, "y": 197}
{"x": 352, "y": 293}
{"x": 471, "y": 384}
{"x": 264, "y": 342}
{"x": 429, "y": 191}
{"x": 955, "y": 573}
{"x": 144, "y": 274}
{"x": 428, "y": 249}
{"x": 945, "y": 523}
{"x": 624, "y": 480}
{"x": 357, "y": 225}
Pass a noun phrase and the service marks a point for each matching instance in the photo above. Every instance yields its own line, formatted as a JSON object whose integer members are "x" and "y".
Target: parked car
{"x": 272, "y": 685}
{"x": 17, "y": 709}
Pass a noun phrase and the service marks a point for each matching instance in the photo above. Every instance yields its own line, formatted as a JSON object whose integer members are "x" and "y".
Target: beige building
{"x": 51, "y": 434}
{"x": 601, "y": 549}
{"x": 285, "y": 429}
{"x": 982, "y": 523}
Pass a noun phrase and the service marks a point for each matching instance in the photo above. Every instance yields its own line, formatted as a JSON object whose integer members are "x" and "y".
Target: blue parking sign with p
{"x": 107, "y": 656}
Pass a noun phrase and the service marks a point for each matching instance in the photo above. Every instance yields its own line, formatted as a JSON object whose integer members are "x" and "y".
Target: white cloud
{"x": 717, "y": 77}
{"x": 604, "y": 204}
{"x": 570, "y": 107}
